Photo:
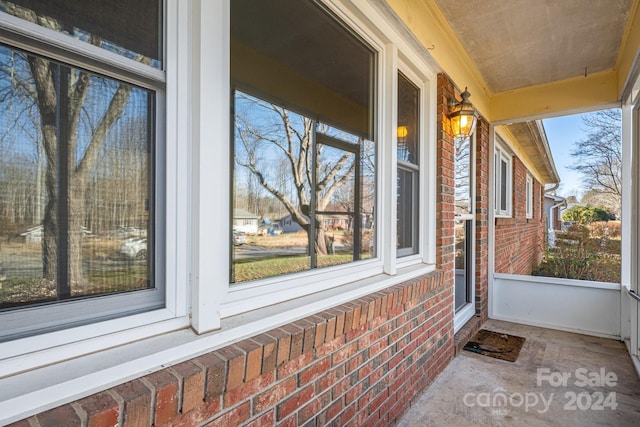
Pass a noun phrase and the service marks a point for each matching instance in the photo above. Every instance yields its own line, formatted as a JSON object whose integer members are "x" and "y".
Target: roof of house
{"x": 244, "y": 214}
{"x": 532, "y": 138}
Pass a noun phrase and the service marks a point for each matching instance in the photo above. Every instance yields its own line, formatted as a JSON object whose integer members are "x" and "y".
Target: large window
{"x": 503, "y": 181}
{"x": 304, "y": 160}
{"x": 408, "y": 152}
{"x": 78, "y": 164}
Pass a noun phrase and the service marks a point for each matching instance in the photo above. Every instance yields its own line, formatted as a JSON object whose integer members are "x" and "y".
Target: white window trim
{"x": 30, "y": 352}
{"x": 213, "y": 303}
{"x": 500, "y": 153}
{"x": 421, "y": 82}
{"x": 529, "y": 196}
{"x": 469, "y": 310}
{"x": 197, "y": 289}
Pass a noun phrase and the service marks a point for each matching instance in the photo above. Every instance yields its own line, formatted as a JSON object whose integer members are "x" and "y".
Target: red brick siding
{"x": 520, "y": 241}
{"x": 361, "y": 363}
{"x": 446, "y": 213}
{"x": 483, "y": 158}
{"x": 389, "y": 347}
{"x": 445, "y": 181}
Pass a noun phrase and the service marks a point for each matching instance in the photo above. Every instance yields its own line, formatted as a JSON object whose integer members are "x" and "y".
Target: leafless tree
{"x": 60, "y": 95}
{"x": 598, "y": 157}
{"x": 265, "y": 142}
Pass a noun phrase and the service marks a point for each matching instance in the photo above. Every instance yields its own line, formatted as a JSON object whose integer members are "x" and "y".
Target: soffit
{"x": 532, "y": 139}
{"x": 522, "y": 43}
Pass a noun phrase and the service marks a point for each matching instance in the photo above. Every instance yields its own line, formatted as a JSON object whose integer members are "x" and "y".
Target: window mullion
{"x": 64, "y": 160}
{"x": 314, "y": 196}
{"x": 357, "y": 220}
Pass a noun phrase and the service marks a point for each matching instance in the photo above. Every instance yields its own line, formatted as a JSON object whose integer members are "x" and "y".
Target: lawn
{"x": 252, "y": 269}
{"x": 105, "y": 271}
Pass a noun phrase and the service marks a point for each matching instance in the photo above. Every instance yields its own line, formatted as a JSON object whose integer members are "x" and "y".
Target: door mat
{"x": 495, "y": 344}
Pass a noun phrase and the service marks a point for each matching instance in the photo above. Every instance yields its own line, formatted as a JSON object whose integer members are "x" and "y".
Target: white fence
{"x": 591, "y": 308}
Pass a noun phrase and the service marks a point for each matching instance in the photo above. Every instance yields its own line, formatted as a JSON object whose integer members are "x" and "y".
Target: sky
{"x": 562, "y": 132}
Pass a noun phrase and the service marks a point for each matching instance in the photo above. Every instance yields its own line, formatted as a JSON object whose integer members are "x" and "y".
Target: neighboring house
{"x": 245, "y": 221}
{"x": 553, "y": 207}
{"x": 520, "y": 180}
{"x": 357, "y": 101}
{"x": 34, "y": 234}
{"x": 289, "y": 225}
{"x": 335, "y": 222}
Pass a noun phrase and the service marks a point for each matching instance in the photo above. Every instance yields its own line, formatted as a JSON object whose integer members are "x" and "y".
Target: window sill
{"x": 36, "y": 390}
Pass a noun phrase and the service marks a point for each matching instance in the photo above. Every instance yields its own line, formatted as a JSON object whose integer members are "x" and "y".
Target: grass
{"x": 28, "y": 290}
{"x": 100, "y": 276}
{"x": 252, "y": 269}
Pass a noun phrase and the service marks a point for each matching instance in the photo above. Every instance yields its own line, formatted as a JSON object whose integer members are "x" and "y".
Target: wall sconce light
{"x": 402, "y": 132}
{"x": 462, "y": 116}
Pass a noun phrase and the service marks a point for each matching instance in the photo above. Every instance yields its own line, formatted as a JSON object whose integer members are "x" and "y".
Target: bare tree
{"x": 265, "y": 142}
{"x": 598, "y": 157}
{"x": 61, "y": 94}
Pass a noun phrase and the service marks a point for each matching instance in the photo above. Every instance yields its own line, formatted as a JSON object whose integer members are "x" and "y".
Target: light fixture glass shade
{"x": 402, "y": 131}
{"x": 462, "y": 117}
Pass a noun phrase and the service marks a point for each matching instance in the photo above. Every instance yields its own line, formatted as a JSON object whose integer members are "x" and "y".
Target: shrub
{"x": 586, "y": 214}
{"x": 578, "y": 255}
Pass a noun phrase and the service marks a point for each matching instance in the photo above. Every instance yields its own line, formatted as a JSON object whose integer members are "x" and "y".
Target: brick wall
{"x": 482, "y": 219}
{"x": 446, "y": 213}
{"x": 445, "y": 181}
{"x": 520, "y": 241}
{"x": 361, "y": 363}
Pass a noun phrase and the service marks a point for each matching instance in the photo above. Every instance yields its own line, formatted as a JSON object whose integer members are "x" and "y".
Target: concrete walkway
{"x": 559, "y": 379}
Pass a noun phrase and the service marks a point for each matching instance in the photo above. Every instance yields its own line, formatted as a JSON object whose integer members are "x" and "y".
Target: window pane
{"x": 406, "y": 210}
{"x": 279, "y": 157}
{"x": 529, "y": 197}
{"x": 503, "y": 185}
{"x": 408, "y": 140}
{"x": 463, "y": 176}
{"x": 408, "y": 116}
{"x": 462, "y": 263}
{"x": 75, "y": 182}
{"x": 297, "y": 54}
{"x": 496, "y": 184}
{"x": 304, "y": 158}
{"x": 129, "y": 28}
{"x": 337, "y": 202}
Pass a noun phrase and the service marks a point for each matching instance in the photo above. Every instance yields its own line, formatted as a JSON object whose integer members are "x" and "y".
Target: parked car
{"x": 134, "y": 248}
{"x": 239, "y": 238}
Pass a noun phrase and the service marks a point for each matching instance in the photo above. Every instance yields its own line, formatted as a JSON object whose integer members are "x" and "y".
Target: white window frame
{"x": 411, "y": 255}
{"x": 501, "y": 155}
{"x": 224, "y": 300}
{"x": 529, "y": 197}
{"x": 46, "y": 348}
{"x": 198, "y": 295}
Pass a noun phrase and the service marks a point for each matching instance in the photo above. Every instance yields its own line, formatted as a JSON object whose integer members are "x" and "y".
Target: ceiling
{"x": 521, "y": 43}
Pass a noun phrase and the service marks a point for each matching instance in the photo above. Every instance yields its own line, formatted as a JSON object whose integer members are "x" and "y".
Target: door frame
{"x": 464, "y": 314}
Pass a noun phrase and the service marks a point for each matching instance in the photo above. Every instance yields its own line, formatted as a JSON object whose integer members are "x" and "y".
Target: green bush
{"x": 586, "y": 214}
{"x": 578, "y": 255}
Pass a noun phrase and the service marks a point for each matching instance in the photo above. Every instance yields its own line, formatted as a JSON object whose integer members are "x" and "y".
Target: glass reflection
{"x": 75, "y": 182}
{"x": 280, "y": 225}
{"x": 130, "y": 28}
{"x": 463, "y": 176}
